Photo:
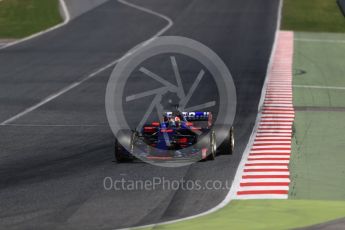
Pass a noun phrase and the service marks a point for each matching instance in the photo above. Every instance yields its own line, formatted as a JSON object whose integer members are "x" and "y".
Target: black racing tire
{"x": 228, "y": 145}
{"x": 213, "y": 147}
{"x": 118, "y": 152}
{"x": 121, "y": 153}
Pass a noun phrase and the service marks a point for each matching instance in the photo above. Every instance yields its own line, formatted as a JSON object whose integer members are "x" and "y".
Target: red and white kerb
{"x": 266, "y": 171}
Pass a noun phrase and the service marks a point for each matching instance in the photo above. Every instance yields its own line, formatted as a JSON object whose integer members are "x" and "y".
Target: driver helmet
{"x": 177, "y": 120}
{"x": 172, "y": 122}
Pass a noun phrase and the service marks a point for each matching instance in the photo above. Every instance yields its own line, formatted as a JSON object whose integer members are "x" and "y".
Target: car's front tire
{"x": 228, "y": 145}
{"x": 121, "y": 153}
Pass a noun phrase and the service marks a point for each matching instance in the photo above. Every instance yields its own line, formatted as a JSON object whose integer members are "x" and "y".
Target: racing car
{"x": 180, "y": 135}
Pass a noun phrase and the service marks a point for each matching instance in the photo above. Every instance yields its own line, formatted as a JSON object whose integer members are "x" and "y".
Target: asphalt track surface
{"x": 55, "y": 158}
{"x": 331, "y": 225}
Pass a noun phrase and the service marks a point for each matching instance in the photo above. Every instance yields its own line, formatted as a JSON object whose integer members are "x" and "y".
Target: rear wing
{"x": 193, "y": 116}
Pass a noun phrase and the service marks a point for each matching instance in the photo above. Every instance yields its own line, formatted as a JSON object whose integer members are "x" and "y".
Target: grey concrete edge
{"x": 79, "y": 7}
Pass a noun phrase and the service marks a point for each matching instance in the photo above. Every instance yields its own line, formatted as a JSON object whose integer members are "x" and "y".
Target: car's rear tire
{"x": 228, "y": 145}
{"x": 213, "y": 147}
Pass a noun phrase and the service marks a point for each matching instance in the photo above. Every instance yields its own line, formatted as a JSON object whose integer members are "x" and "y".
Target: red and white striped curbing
{"x": 266, "y": 170}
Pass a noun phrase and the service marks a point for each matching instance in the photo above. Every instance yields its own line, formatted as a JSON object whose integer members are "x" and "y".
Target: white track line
{"x": 259, "y": 156}
{"x": 271, "y": 147}
{"x": 67, "y": 19}
{"x": 276, "y": 126}
{"x": 270, "y": 152}
{"x": 240, "y": 170}
{"x": 260, "y": 188}
{"x": 263, "y": 196}
{"x": 287, "y": 180}
{"x": 277, "y": 119}
{"x": 271, "y": 138}
{"x": 268, "y": 162}
{"x": 74, "y": 85}
{"x": 267, "y": 167}
{"x": 260, "y": 142}
{"x": 266, "y": 173}
{"x": 319, "y": 40}
{"x": 276, "y": 122}
{"x": 319, "y": 87}
{"x": 269, "y": 135}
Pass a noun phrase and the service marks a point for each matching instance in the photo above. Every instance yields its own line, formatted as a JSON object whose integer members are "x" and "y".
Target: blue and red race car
{"x": 188, "y": 136}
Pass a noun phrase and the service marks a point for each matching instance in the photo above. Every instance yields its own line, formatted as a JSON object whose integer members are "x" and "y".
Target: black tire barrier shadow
{"x": 341, "y": 4}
